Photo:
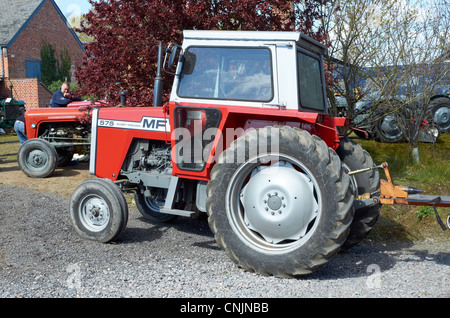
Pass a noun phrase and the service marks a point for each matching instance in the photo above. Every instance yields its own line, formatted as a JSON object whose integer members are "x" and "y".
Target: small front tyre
{"x": 98, "y": 210}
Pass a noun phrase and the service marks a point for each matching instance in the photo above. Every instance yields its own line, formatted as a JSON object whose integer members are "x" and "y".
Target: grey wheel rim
{"x": 273, "y": 207}
{"x": 37, "y": 160}
{"x": 442, "y": 117}
{"x": 389, "y": 127}
{"x": 94, "y": 213}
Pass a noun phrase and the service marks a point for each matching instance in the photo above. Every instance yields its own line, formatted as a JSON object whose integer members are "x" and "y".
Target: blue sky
{"x": 72, "y": 8}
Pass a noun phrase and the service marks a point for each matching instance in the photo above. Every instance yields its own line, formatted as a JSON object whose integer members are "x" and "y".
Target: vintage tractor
{"x": 372, "y": 119}
{"x": 10, "y": 109}
{"x": 244, "y": 138}
{"x": 54, "y": 136}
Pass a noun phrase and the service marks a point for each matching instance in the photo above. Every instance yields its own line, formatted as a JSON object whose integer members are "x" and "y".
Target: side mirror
{"x": 172, "y": 50}
{"x": 169, "y": 59}
{"x": 189, "y": 60}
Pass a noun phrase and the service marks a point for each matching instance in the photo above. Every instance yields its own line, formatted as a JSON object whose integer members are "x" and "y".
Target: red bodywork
{"x": 75, "y": 112}
{"x": 112, "y": 143}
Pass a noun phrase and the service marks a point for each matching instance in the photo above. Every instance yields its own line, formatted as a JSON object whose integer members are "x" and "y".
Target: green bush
{"x": 424, "y": 212}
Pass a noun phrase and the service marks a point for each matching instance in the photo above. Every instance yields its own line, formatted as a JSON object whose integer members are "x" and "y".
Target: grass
{"x": 9, "y": 146}
{"x": 433, "y": 169}
{"x": 432, "y": 175}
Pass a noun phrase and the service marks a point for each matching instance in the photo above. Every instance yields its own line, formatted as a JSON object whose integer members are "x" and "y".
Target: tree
{"x": 421, "y": 39}
{"x": 126, "y": 33}
{"x": 54, "y": 69}
{"x": 393, "y": 50}
{"x": 75, "y": 23}
{"x": 48, "y": 64}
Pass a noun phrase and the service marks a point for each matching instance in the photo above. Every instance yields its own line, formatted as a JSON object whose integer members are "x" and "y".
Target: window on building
{"x": 34, "y": 69}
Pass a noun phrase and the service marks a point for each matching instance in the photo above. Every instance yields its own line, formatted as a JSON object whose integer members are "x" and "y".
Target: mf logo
{"x": 155, "y": 123}
{"x": 147, "y": 123}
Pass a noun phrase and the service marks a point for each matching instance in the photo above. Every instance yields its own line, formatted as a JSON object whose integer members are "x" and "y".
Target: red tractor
{"x": 245, "y": 138}
{"x": 54, "y": 136}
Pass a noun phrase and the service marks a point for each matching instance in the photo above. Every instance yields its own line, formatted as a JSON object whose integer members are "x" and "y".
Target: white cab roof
{"x": 242, "y": 35}
{"x": 266, "y": 36}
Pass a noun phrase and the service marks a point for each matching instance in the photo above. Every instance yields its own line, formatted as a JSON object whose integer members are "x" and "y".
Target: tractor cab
{"x": 252, "y": 69}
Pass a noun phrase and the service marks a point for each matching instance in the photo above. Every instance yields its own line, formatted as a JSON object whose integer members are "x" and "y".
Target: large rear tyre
{"x": 150, "y": 209}
{"x": 37, "y": 158}
{"x": 355, "y": 157}
{"x": 98, "y": 210}
{"x": 440, "y": 108}
{"x": 387, "y": 130}
{"x": 282, "y": 212}
{"x": 64, "y": 157}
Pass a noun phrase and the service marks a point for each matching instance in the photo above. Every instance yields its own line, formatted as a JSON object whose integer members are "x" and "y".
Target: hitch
{"x": 391, "y": 194}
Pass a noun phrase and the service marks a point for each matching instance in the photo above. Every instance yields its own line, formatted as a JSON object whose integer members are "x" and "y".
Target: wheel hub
{"x": 442, "y": 117}
{"x": 37, "y": 158}
{"x": 95, "y": 214}
{"x": 275, "y": 202}
{"x": 389, "y": 126}
{"x": 279, "y": 203}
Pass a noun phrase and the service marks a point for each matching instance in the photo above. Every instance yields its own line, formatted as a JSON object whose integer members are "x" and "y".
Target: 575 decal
{"x": 106, "y": 123}
{"x": 146, "y": 123}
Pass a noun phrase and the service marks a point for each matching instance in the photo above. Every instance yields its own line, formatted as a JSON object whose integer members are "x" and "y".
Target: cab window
{"x": 310, "y": 81}
{"x": 228, "y": 74}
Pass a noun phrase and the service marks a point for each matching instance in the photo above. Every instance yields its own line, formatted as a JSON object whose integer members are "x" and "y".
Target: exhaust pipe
{"x": 159, "y": 81}
{"x": 123, "y": 98}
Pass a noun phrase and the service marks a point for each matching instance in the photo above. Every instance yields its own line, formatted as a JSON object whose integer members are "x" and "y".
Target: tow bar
{"x": 392, "y": 194}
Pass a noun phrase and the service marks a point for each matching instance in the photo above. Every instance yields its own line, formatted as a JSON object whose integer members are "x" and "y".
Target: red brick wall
{"x": 47, "y": 26}
{"x": 30, "y": 90}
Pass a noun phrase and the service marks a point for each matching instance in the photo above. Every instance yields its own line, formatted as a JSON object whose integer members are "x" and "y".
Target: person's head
{"x": 65, "y": 88}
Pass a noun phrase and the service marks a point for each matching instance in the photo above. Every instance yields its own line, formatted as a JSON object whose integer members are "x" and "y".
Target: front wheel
{"x": 37, "y": 158}
{"x": 283, "y": 212}
{"x": 98, "y": 210}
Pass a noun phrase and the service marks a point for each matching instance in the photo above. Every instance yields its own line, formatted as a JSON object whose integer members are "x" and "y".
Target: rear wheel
{"x": 440, "y": 108}
{"x": 37, "y": 158}
{"x": 150, "y": 208}
{"x": 387, "y": 130}
{"x": 98, "y": 210}
{"x": 64, "y": 157}
{"x": 355, "y": 157}
{"x": 283, "y": 212}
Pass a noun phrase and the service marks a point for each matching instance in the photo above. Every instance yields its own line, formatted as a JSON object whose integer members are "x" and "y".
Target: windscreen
{"x": 228, "y": 74}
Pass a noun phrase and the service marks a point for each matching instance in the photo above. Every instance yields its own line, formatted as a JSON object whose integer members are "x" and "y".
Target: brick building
{"x": 25, "y": 26}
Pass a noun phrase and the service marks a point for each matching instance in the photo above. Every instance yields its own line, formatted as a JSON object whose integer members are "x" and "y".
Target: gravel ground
{"x": 41, "y": 256}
